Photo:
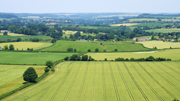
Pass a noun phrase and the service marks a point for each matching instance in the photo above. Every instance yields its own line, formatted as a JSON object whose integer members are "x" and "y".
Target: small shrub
{"x": 96, "y": 50}
{"x": 104, "y": 50}
{"x": 115, "y": 50}
{"x": 49, "y": 64}
{"x": 70, "y": 49}
{"x": 89, "y": 50}
{"x": 74, "y": 50}
{"x": 66, "y": 58}
{"x": 46, "y": 69}
{"x": 105, "y": 59}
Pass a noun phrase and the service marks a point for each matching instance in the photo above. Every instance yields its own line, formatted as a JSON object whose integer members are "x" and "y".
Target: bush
{"x": 66, "y": 58}
{"x": 49, "y": 64}
{"x": 19, "y": 39}
{"x": 30, "y": 75}
{"x": 105, "y": 59}
{"x": 96, "y": 50}
{"x": 11, "y": 47}
{"x": 74, "y": 50}
{"x": 6, "y": 47}
{"x": 150, "y": 58}
{"x": 70, "y": 49}
{"x": 84, "y": 57}
{"x": 104, "y": 50}
{"x": 115, "y": 50}
{"x": 89, "y": 50}
{"x": 46, "y": 69}
{"x": 74, "y": 57}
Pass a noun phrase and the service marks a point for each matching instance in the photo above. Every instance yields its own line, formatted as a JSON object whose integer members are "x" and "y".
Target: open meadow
{"x": 38, "y": 58}
{"x": 125, "y": 24}
{"x": 25, "y": 45}
{"x": 84, "y": 46}
{"x": 142, "y": 19}
{"x": 160, "y": 44}
{"x": 14, "y": 34}
{"x": 11, "y": 76}
{"x": 173, "y": 54}
{"x": 107, "y": 81}
{"x": 163, "y": 30}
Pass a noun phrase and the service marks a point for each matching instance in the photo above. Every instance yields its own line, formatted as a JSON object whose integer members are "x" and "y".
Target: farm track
{"x": 124, "y": 81}
{"x": 72, "y": 84}
{"x": 93, "y": 82}
{"x": 148, "y": 84}
{"x": 104, "y": 85}
{"x": 173, "y": 97}
{"x": 165, "y": 79}
{"x": 114, "y": 83}
{"x": 82, "y": 85}
{"x": 143, "y": 94}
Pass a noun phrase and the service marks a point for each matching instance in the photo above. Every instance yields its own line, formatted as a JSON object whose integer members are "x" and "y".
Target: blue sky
{"x": 89, "y": 6}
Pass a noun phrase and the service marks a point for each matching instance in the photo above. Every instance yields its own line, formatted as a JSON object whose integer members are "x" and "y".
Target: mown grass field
{"x": 143, "y": 19}
{"x": 160, "y": 44}
{"x": 163, "y": 30}
{"x": 25, "y": 45}
{"x": 84, "y": 46}
{"x": 11, "y": 76}
{"x": 14, "y": 34}
{"x": 43, "y": 37}
{"x": 79, "y": 46}
{"x": 125, "y": 24}
{"x": 30, "y": 57}
{"x": 107, "y": 81}
{"x": 173, "y": 54}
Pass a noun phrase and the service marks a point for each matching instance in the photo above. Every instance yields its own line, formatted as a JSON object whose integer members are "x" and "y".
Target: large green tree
{"x": 30, "y": 75}
{"x": 11, "y": 47}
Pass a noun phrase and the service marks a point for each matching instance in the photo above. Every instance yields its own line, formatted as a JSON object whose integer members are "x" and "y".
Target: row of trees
{"x": 76, "y": 57}
{"x": 150, "y": 58}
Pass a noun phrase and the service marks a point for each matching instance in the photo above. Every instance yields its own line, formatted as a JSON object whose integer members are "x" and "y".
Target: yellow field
{"x": 67, "y": 33}
{"x": 125, "y": 24}
{"x": 25, "y": 45}
{"x": 131, "y": 20}
{"x": 173, "y": 54}
{"x": 11, "y": 76}
{"x": 160, "y": 44}
{"x": 14, "y": 34}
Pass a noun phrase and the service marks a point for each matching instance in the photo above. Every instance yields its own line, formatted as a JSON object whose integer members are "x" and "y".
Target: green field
{"x": 107, "y": 81}
{"x": 11, "y": 76}
{"x": 93, "y": 27}
{"x": 160, "y": 44}
{"x": 24, "y": 37}
{"x": 30, "y": 57}
{"x": 80, "y": 46}
{"x": 84, "y": 46}
{"x": 142, "y": 19}
{"x": 25, "y": 45}
{"x": 163, "y": 30}
{"x": 173, "y": 54}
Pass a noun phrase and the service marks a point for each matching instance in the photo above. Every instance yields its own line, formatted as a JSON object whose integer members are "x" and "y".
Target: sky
{"x": 90, "y": 6}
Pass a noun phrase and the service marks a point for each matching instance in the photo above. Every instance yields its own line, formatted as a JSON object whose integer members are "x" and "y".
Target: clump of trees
{"x": 76, "y": 57}
{"x": 150, "y": 58}
{"x": 30, "y": 75}
{"x": 49, "y": 64}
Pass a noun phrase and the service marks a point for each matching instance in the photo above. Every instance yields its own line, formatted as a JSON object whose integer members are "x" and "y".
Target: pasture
{"x": 107, "y": 81}
{"x": 160, "y": 44}
{"x": 173, "y": 54}
{"x": 84, "y": 46}
{"x": 142, "y": 19}
{"x": 163, "y": 30}
{"x": 14, "y": 34}
{"x": 67, "y": 33}
{"x": 11, "y": 76}
{"x": 25, "y": 45}
{"x": 38, "y": 58}
{"x": 125, "y": 24}
{"x": 41, "y": 37}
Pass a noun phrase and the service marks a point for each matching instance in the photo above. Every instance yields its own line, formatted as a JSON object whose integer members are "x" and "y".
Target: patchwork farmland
{"x": 107, "y": 81}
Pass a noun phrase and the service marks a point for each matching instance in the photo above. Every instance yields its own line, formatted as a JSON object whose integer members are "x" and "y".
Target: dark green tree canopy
{"x": 49, "y": 64}
{"x": 30, "y": 75}
{"x": 11, "y": 47}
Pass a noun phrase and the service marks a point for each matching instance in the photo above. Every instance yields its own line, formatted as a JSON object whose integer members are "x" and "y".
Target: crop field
{"x": 25, "y": 37}
{"x": 30, "y": 57}
{"x": 11, "y": 76}
{"x": 163, "y": 30}
{"x": 131, "y": 20}
{"x": 25, "y": 45}
{"x": 173, "y": 54}
{"x": 67, "y": 33}
{"x": 107, "y": 81}
{"x": 160, "y": 44}
{"x": 14, "y": 34}
{"x": 125, "y": 24}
